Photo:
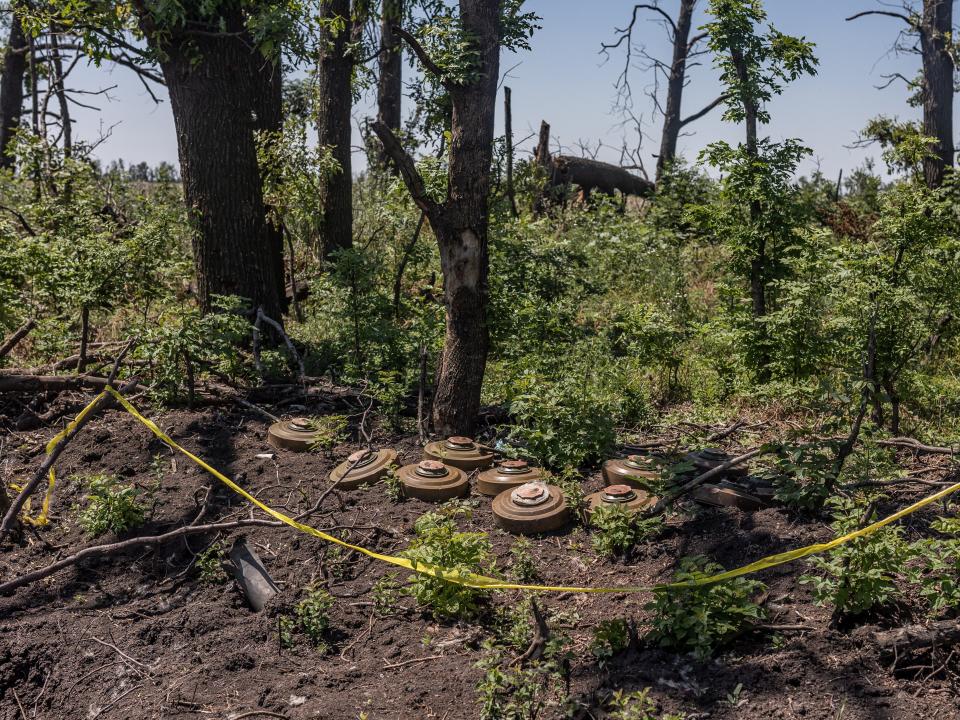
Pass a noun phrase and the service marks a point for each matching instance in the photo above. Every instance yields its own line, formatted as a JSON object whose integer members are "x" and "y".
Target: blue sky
{"x": 565, "y": 80}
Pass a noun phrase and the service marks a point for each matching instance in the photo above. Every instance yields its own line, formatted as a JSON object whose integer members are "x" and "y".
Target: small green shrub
{"x": 312, "y": 614}
{"x": 571, "y": 483}
{"x": 522, "y": 565}
{"x": 937, "y": 567}
{"x": 392, "y": 485}
{"x": 637, "y": 705}
{"x": 386, "y": 592}
{"x": 702, "y": 618}
{"x": 610, "y": 638}
{"x": 438, "y": 542}
{"x": 328, "y": 430}
{"x": 563, "y": 424}
{"x": 863, "y": 573}
{"x": 111, "y": 505}
{"x": 524, "y": 692}
{"x": 616, "y": 529}
{"x": 209, "y": 565}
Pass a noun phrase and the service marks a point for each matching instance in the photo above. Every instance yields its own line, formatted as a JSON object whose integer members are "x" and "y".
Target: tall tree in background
{"x": 390, "y": 79}
{"x": 930, "y": 34}
{"x": 341, "y": 28}
{"x": 460, "y": 222}
{"x": 223, "y": 90}
{"x": 755, "y": 64}
{"x": 11, "y": 86}
{"x": 685, "y": 49}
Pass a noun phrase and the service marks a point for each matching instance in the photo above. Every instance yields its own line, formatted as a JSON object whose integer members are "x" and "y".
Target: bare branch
{"x": 704, "y": 111}
{"x": 421, "y": 53}
{"x": 888, "y": 13}
{"x": 406, "y": 167}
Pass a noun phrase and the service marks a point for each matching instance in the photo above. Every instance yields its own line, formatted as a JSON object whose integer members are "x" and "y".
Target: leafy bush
{"x": 312, "y": 614}
{"x": 637, "y": 705}
{"x": 328, "y": 431}
{"x": 616, "y": 529}
{"x": 703, "y": 618}
{"x": 209, "y": 565}
{"x": 863, "y": 573}
{"x": 563, "y": 424}
{"x": 610, "y": 638}
{"x": 438, "y": 542}
{"x": 111, "y": 505}
{"x": 516, "y": 692}
{"x": 522, "y": 565}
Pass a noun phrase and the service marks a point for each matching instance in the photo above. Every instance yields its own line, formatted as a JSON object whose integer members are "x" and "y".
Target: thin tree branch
{"x": 704, "y": 111}
{"x": 406, "y": 167}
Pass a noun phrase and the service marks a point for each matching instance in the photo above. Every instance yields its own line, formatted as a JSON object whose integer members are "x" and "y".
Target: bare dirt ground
{"x": 141, "y": 636}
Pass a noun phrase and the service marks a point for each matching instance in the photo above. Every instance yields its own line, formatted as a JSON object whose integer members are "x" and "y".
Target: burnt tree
{"x": 460, "y": 221}
{"x": 931, "y": 31}
{"x": 11, "y": 87}
{"x": 340, "y": 26}
{"x": 390, "y": 80}
{"x": 674, "y": 73}
{"x": 222, "y": 91}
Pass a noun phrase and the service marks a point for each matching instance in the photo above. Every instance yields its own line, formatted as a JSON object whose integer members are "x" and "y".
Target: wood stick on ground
{"x": 11, "y": 342}
{"x": 916, "y": 445}
{"x": 100, "y": 551}
{"x": 289, "y": 343}
{"x": 13, "y": 512}
{"x": 670, "y": 497}
{"x": 41, "y": 383}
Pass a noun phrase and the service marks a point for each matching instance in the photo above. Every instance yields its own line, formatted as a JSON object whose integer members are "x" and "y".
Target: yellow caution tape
{"x": 42, "y": 518}
{"x": 488, "y": 583}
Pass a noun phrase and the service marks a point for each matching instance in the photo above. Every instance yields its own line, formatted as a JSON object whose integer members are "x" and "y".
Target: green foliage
{"x": 386, "y": 594}
{"x": 328, "y": 430}
{"x": 617, "y": 529}
{"x": 209, "y": 564}
{"x": 637, "y": 705}
{"x": 393, "y": 485}
{"x": 312, "y": 615}
{"x": 183, "y": 346}
{"x": 903, "y": 143}
{"x": 863, "y": 573}
{"x": 523, "y": 692}
{"x": 438, "y": 542}
{"x": 522, "y": 565}
{"x": 754, "y": 67}
{"x": 610, "y": 638}
{"x": 702, "y": 618}
{"x": 936, "y": 566}
{"x": 110, "y": 505}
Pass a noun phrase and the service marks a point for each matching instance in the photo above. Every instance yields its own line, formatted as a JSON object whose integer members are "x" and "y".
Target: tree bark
{"x": 938, "y": 87}
{"x": 221, "y": 93}
{"x": 461, "y": 222}
{"x": 675, "y": 85}
{"x": 11, "y": 87}
{"x": 508, "y": 142}
{"x": 390, "y": 82}
{"x": 335, "y": 100}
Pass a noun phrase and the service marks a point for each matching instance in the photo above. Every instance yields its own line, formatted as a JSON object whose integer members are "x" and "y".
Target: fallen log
{"x": 20, "y": 334}
{"x": 593, "y": 175}
{"x": 913, "y": 638}
{"x": 916, "y": 445}
{"x": 40, "y": 383}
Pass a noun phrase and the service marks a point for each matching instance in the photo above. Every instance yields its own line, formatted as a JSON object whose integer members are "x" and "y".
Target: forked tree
{"x": 674, "y": 73}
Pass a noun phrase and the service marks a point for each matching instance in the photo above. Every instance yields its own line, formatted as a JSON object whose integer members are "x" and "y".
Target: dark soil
{"x": 142, "y": 636}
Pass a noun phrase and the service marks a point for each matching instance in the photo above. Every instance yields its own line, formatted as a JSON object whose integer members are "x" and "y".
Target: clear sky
{"x": 566, "y": 81}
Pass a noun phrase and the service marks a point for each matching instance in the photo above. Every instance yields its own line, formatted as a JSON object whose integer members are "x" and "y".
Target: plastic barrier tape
{"x": 482, "y": 581}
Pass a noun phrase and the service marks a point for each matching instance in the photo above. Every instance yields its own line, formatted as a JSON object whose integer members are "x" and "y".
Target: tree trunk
{"x": 335, "y": 99}
{"x": 938, "y": 70}
{"x": 60, "y": 90}
{"x": 461, "y": 229}
{"x": 460, "y": 223}
{"x": 11, "y": 87}
{"x": 508, "y": 143}
{"x": 390, "y": 82}
{"x": 221, "y": 93}
{"x": 675, "y": 84}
